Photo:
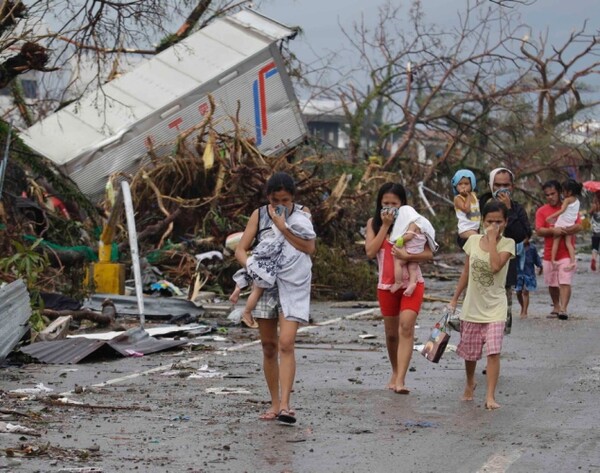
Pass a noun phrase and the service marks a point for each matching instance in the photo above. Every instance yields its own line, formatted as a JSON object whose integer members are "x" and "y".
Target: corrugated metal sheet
{"x": 15, "y": 311}
{"x": 74, "y": 350}
{"x": 233, "y": 58}
{"x": 69, "y": 350}
{"x": 138, "y": 340}
{"x": 154, "y": 307}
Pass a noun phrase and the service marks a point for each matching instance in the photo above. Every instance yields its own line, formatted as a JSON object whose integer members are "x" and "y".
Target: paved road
{"x": 347, "y": 421}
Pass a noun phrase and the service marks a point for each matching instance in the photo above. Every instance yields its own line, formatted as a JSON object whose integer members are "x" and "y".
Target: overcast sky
{"x": 320, "y": 20}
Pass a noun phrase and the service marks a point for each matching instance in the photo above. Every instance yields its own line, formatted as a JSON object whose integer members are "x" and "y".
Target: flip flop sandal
{"x": 286, "y": 417}
{"x": 552, "y": 315}
{"x": 247, "y": 323}
{"x": 563, "y": 316}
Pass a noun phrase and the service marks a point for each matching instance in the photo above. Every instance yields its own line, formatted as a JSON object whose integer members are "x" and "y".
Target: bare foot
{"x": 269, "y": 415}
{"x": 523, "y": 315}
{"x": 395, "y": 287}
{"x": 490, "y": 405}
{"x": 469, "y": 391}
{"x": 391, "y": 385}
{"x": 248, "y": 320}
{"x": 410, "y": 289}
{"x": 401, "y": 390}
{"x": 235, "y": 295}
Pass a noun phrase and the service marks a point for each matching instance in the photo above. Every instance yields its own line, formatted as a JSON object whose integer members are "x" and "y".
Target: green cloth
{"x": 89, "y": 253}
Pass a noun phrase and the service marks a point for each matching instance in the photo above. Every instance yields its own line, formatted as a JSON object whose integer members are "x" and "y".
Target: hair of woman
{"x": 387, "y": 188}
{"x": 281, "y": 181}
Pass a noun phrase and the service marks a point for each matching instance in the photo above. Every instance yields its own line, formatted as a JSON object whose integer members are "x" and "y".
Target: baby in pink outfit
{"x": 412, "y": 231}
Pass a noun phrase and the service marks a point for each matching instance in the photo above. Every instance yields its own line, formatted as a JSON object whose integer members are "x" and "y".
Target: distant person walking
{"x": 528, "y": 260}
{"x": 559, "y": 276}
{"x": 517, "y": 226}
{"x": 565, "y": 217}
{"x": 398, "y": 310}
{"x": 595, "y": 221}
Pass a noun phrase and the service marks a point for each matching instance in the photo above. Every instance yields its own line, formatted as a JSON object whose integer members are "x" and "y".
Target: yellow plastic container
{"x": 109, "y": 278}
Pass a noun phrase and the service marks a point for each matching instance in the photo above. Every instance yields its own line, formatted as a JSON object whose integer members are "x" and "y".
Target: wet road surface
{"x": 147, "y": 414}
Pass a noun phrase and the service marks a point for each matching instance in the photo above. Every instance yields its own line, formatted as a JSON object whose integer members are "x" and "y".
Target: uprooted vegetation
{"x": 187, "y": 203}
{"x": 190, "y": 200}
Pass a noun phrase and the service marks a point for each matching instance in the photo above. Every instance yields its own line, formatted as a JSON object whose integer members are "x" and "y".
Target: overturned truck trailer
{"x": 235, "y": 59}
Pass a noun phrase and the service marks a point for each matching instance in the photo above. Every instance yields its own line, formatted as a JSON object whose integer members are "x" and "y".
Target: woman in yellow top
{"x": 484, "y": 308}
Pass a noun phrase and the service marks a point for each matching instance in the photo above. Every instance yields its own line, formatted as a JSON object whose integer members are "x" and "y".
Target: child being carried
{"x": 566, "y": 217}
{"x": 274, "y": 261}
{"x": 411, "y": 230}
{"x": 466, "y": 204}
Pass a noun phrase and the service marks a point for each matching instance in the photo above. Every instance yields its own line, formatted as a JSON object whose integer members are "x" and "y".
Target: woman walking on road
{"x": 282, "y": 308}
{"x": 399, "y": 311}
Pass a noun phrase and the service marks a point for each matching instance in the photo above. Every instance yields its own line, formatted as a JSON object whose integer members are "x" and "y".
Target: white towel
{"x": 406, "y": 216}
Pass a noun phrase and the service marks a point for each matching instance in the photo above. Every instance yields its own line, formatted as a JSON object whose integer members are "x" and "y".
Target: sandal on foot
{"x": 402, "y": 390}
{"x": 286, "y": 417}
{"x": 552, "y": 315}
{"x": 250, "y": 323}
{"x": 269, "y": 415}
{"x": 563, "y": 316}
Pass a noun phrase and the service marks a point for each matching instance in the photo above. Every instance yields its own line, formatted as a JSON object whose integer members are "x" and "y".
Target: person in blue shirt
{"x": 528, "y": 260}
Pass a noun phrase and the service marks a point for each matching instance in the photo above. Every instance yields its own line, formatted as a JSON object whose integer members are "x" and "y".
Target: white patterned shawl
{"x": 276, "y": 261}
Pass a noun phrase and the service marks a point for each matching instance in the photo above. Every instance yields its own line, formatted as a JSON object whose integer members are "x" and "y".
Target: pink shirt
{"x": 385, "y": 267}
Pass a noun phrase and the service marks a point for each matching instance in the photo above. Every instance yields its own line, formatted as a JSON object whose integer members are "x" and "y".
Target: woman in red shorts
{"x": 399, "y": 312}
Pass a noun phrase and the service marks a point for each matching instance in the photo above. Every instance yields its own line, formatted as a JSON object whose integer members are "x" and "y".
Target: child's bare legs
{"x": 398, "y": 274}
{"x": 523, "y": 297}
{"x": 555, "y": 243}
{"x": 235, "y": 295}
{"x": 493, "y": 372}
{"x": 571, "y": 250}
{"x": 413, "y": 269}
{"x": 470, "y": 384}
{"x": 251, "y": 305}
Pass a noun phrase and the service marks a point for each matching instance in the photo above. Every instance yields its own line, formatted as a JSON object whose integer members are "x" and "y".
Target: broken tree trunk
{"x": 82, "y": 314}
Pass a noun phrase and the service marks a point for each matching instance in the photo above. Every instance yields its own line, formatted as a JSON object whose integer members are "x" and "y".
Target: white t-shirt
{"x": 568, "y": 217}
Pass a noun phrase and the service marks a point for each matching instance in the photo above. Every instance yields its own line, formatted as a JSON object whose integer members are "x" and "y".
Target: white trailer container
{"x": 235, "y": 59}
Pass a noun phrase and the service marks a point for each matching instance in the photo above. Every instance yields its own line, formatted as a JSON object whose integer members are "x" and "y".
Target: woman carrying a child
{"x": 399, "y": 311}
{"x": 286, "y": 304}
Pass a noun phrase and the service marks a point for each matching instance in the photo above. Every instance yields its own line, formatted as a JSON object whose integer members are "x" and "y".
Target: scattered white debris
{"x": 17, "y": 429}
{"x": 38, "y": 389}
{"x": 224, "y": 390}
